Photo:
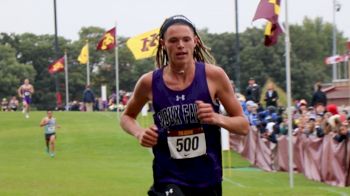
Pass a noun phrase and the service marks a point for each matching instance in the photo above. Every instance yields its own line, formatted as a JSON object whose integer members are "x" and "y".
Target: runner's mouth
{"x": 181, "y": 53}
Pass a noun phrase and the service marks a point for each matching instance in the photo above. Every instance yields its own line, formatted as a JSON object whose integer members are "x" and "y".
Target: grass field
{"x": 95, "y": 157}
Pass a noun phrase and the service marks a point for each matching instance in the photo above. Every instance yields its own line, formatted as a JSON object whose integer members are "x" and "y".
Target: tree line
{"x": 28, "y": 56}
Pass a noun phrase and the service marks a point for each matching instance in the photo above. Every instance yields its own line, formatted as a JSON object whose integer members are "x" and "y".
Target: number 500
{"x": 187, "y": 144}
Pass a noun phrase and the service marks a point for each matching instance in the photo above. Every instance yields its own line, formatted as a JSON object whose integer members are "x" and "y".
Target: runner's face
{"x": 26, "y": 81}
{"x": 49, "y": 114}
{"x": 179, "y": 42}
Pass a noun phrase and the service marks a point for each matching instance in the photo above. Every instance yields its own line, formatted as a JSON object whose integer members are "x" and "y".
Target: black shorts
{"x": 176, "y": 190}
{"x": 47, "y": 136}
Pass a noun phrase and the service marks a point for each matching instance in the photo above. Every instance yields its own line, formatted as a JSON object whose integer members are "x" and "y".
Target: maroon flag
{"x": 107, "y": 41}
{"x": 269, "y": 10}
{"x": 272, "y": 31}
{"x": 57, "y": 66}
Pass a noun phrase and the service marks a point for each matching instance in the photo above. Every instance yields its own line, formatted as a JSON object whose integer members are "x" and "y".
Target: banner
{"x": 336, "y": 59}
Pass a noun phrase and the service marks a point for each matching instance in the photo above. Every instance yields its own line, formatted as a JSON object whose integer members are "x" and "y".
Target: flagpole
{"x": 88, "y": 66}
{"x": 116, "y": 70}
{"x": 238, "y": 73}
{"x": 57, "y": 86}
{"x": 334, "y": 43}
{"x": 66, "y": 78}
{"x": 289, "y": 108}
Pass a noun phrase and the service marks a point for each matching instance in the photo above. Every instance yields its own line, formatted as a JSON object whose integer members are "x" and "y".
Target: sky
{"x": 134, "y": 17}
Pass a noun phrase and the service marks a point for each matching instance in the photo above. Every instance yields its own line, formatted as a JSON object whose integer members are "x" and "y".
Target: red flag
{"x": 107, "y": 41}
{"x": 269, "y": 10}
{"x": 57, "y": 66}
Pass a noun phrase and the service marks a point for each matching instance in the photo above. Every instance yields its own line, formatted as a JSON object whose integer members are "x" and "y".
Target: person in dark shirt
{"x": 253, "y": 91}
{"x": 319, "y": 97}
{"x": 271, "y": 96}
{"x": 88, "y": 99}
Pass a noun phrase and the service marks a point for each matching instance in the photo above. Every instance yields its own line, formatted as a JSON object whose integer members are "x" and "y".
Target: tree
{"x": 39, "y": 51}
{"x": 12, "y": 73}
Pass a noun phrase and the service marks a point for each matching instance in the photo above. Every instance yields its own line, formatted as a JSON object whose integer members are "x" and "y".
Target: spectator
{"x": 4, "y": 105}
{"x": 13, "y": 105}
{"x": 271, "y": 132}
{"x": 319, "y": 97}
{"x": 98, "y": 105}
{"x": 112, "y": 99}
{"x": 300, "y": 123}
{"x": 319, "y": 125}
{"x": 75, "y": 106}
{"x": 343, "y": 131}
{"x": 332, "y": 108}
{"x": 81, "y": 106}
{"x": 310, "y": 126}
{"x": 253, "y": 91}
{"x": 253, "y": 116}
{"x": 88, "y": 99}
{"x": 302, "y": 106}
{"x": 271, "y": 96}
{"x": 283, "y": 126}
{"x": 125, "y": 98}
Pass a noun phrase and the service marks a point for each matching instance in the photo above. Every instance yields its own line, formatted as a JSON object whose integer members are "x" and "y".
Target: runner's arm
{"x": 221, "y": 89}
{"x": 31, "y": 89}
{"x": 147, "y": 137}
{"x": 43, "y": 122}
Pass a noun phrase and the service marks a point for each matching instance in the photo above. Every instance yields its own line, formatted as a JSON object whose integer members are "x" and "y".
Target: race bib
{"x": 51, "y": 129}
{"x": 184, "y": 144}
{"x": 27, "y": 93}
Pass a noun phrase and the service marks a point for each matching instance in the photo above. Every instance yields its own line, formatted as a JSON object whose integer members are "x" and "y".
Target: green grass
{"x": 95, "y": 157}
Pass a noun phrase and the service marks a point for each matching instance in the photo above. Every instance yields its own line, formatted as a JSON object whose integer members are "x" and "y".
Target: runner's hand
{"x": 148, "y": 137}
{"x": 205, "y": 113}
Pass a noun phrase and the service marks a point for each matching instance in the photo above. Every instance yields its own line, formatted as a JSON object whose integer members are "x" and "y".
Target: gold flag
{"x": 84, "y": 54}
{"x": 144, "y": 45}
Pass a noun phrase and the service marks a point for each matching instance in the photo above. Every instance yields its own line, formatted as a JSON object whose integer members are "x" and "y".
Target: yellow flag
{"x": 84, "y": 54}
{"x": 144, "y": 45}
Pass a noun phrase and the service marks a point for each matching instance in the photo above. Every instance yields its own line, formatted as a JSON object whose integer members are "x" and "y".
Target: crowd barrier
{"x": 320, "y": 159}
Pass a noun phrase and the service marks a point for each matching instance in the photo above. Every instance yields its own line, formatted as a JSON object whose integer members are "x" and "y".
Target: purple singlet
{"x": 27, "y": 95}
